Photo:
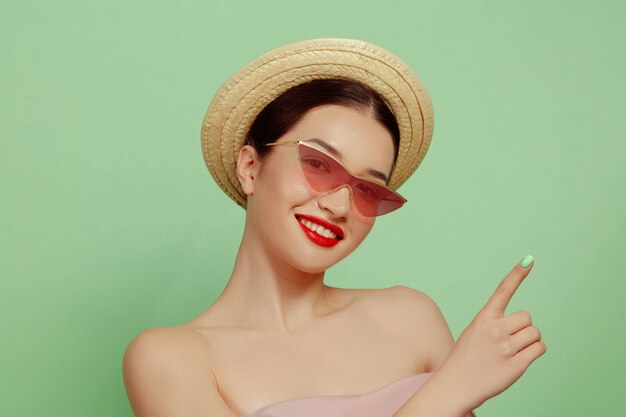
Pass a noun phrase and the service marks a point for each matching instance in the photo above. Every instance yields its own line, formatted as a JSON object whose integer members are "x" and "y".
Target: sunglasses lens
{"x": 325, "y": 173}
{"x": 322, "y": 171}
{"x": 373, "y": 199}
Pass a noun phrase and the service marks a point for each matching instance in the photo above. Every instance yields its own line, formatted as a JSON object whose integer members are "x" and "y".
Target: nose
{"x": 337, "y": 202}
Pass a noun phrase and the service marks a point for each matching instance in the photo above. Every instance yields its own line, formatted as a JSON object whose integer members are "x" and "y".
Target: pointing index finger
{"x": 497, "y": 303}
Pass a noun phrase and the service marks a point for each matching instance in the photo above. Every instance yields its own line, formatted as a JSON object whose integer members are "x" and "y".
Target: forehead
{"x": 362, "y": 142}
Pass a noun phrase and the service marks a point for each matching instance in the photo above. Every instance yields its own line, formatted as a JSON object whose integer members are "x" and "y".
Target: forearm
{"x": 436, "y": 398}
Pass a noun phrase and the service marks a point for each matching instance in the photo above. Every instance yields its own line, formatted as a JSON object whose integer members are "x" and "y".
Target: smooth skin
{"x": 490, "y": 355}
{"x": 278, "y": 332}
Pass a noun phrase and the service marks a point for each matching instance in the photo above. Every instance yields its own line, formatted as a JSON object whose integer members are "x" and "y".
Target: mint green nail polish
{"x": 528, "y": 259}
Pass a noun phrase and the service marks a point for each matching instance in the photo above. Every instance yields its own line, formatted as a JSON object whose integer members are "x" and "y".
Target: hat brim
{"x": 242, "y": 97}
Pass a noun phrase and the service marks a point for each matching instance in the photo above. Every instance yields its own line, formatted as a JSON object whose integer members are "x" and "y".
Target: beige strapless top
{"x": 381, "y": 402}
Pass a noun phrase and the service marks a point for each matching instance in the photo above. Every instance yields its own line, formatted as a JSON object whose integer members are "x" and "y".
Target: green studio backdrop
{"x": 111, "y": 223}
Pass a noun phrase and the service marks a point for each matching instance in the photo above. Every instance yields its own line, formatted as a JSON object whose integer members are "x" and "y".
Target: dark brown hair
{"x": 287, "y": 109}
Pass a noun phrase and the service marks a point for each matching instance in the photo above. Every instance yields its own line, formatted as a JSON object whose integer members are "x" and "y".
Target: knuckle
{"x": 525, "y": 315}
{"x": 536, "y": 350}
{"x": 520, "y": 364}
{"x": 502, "y": 327}
{"x": 507, "y": 348}
{"x": 495, "y": 331}
{"x": 536, "y": 333}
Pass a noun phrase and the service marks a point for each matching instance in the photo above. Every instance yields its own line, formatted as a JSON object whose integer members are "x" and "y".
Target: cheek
{"x": 286, "y": 186}
{"x": 361, "y": 228}
{"x": 365, "y": 228}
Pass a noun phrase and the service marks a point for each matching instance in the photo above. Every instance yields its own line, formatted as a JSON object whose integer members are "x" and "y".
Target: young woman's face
{"x": 282, "y": 195}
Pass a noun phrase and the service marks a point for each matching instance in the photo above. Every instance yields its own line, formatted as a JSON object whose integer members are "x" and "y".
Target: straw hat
{"x": 242, "y": 97}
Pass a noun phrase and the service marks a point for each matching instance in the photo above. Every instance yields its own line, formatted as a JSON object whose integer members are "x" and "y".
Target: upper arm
{"x": 428, "y": 327}
{"x": 167, "y": 373}
{"x": 431, "y": 326}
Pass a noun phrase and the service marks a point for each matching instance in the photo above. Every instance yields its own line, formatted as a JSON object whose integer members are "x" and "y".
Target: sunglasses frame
{"x": 304, "y": 143}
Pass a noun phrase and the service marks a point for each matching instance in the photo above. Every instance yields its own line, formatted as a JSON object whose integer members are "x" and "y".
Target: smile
{"x": 325, "y": 234}
{"x": 319, "y": 229}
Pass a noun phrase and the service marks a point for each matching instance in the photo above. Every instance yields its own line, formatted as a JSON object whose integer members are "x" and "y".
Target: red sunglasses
{"x": 325, "y": 173}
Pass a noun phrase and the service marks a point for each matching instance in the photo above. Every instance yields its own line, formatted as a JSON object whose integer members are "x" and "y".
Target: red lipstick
{"x": 317, "y": 238}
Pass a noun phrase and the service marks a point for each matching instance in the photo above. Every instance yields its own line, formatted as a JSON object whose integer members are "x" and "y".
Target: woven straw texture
{"x": 242, "y": 97}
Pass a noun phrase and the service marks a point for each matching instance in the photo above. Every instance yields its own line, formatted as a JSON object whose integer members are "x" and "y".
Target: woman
{"x": 313, "y": 139}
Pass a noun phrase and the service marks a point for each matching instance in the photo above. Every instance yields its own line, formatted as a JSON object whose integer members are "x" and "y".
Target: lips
{"x": 317, "y": 238}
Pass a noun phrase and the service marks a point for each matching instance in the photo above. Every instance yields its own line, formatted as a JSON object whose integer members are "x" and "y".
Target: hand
{"x": 494, "y": 350}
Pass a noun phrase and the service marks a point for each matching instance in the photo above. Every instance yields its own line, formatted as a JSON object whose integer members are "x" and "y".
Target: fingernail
{"x": 528, "y": 259}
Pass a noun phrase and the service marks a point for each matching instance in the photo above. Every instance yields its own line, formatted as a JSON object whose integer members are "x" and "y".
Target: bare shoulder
{"x": 416, "y": 318}
{"x": 410, "y": 299}
{"x": 164, "y": 353}
{"x": 167, "y": 371}
{"x": 167, "y": 340}
{"x": 401, "y": 301}
{"x": 166, "y": 345}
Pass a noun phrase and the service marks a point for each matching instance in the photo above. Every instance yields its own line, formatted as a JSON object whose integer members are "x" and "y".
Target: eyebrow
{"x": 333, "y": 151}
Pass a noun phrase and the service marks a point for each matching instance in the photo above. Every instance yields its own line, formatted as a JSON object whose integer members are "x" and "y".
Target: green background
{"x": 110, "y": 222}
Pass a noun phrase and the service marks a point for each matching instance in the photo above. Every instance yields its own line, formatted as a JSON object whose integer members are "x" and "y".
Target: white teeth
{"x": 319, "y": 229}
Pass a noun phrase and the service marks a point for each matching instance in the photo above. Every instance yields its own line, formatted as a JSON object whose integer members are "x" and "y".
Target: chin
{"x": 313, "y": 268}
{"x": 314, "y": 262}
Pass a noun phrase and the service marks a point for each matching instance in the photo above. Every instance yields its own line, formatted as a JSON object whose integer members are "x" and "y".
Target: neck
{"x": 265, "y": 291}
